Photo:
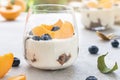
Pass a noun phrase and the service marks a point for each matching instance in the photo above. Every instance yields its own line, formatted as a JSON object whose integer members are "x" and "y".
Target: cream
{"x": 52, "y": 54}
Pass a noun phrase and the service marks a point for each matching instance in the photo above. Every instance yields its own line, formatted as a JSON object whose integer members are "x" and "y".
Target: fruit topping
{"x": 100, "y": 4}
{"x": 58, "y": 23}
{"x": 59, "y": 30}
{"x": 93, "y": 49}
{"x": 40, "y": 30}
{"x": 46, "y": 37}
{"x": 55, "y": 28}
{"x": 16, "y": 62}
{"x": 48, "y": 27}
{"x": 37, "y": 38}
{"x": 105, "y": 5}
{"x": 92, "y": 4}
{"x": 103, "y": 1}
{"x": 65, "y": 31}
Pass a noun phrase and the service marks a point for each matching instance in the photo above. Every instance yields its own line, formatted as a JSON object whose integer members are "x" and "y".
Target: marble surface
{"x": 11, "y": 36}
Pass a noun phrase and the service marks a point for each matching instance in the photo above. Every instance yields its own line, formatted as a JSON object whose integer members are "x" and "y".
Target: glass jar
{"x": 97, "y": 16}
{"x": 51, "y": 37}
{"x": 116, "y": 7}
{"x": 97, "y": 19}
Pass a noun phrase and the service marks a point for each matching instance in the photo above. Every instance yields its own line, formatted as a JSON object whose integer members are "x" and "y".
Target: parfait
{"x": 116, "y": 7}
{"x": 52, "y": 45}
{"x": 97, "y": 15}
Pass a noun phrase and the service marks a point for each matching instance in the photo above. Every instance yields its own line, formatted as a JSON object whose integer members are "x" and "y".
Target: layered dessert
{"x": 97, "y": 16}
{"x": 51, "y": 46}
{"x": 116, "y": 7}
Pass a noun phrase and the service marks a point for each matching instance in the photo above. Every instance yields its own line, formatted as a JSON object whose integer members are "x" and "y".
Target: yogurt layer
{"x": 52, "y": 54}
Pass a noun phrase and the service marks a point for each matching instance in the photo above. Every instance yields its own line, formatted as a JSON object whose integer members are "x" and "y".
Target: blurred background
{"x": 29, "y": 3}
{"x": 66, "y": 2}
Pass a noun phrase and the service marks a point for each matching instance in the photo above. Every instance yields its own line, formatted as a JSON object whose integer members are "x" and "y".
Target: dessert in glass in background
{"x": 116, "y": 7}
{"x": 51, "y": 39}
{"x": 97, "y": 16}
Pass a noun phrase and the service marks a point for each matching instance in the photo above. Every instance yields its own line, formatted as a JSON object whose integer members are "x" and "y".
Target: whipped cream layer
{"x": 52, "y": 54}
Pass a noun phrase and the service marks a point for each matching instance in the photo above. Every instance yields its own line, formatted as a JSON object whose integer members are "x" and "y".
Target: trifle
{"x": 51, "y": 46}
{"x": 97, "y": 16}
{"x": 116, "y": 7}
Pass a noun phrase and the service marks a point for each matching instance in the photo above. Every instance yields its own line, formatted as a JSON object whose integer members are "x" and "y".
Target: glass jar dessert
{"x": 51, "y": 38}
{"x": 97, "y": 16}
{"x": 116, "y": 7}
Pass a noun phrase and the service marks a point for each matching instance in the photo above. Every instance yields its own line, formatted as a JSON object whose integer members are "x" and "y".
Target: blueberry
{"x": 16, "y": 62}
{"x": 115, "y": 43}
{"x": 37, "y": 38}
{"x": 30, "y": 33}
{"x": 91, "y": 78}
{"x": 46, "y": 37}
{"x": 55, "y": 28}
{"x": 93, "y": 49}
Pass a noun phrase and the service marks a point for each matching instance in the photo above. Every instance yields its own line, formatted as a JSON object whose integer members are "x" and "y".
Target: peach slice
{"x": 48, "y": 27}
{"x": 19, "y": 77}
{"x": 106, "y": 5}
{"x": 40, "y": 30}
{"x": 66, "y": 31}
{"x": 116, "y": 0}
{"x": 92, "y": 4}
{"x": 10, "y": 12}
{"x": 6, "y": 62}
{"x": 103, "y": 1}
{"x": 58, "y": 23}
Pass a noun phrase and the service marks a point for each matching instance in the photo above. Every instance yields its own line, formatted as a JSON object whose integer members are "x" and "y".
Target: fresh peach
{"x": 92, "y": 4}
{"x": 6, "y": 62}
{"x": 10, "y": 12}
{"x": 19, "y": 77}
{"x": 66, "y": 31}
{"x": 40, "y": 30}
{"x": 58, "y": 23}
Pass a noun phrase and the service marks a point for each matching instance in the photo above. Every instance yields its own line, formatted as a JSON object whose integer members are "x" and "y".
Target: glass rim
{"x": 66, "y": 8}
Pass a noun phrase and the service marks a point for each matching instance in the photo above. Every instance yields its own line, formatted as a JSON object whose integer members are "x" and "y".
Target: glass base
{"x": 97, "y": 28}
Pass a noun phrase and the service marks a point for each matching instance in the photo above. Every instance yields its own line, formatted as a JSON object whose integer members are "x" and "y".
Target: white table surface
{"x": 11, "y": 36}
